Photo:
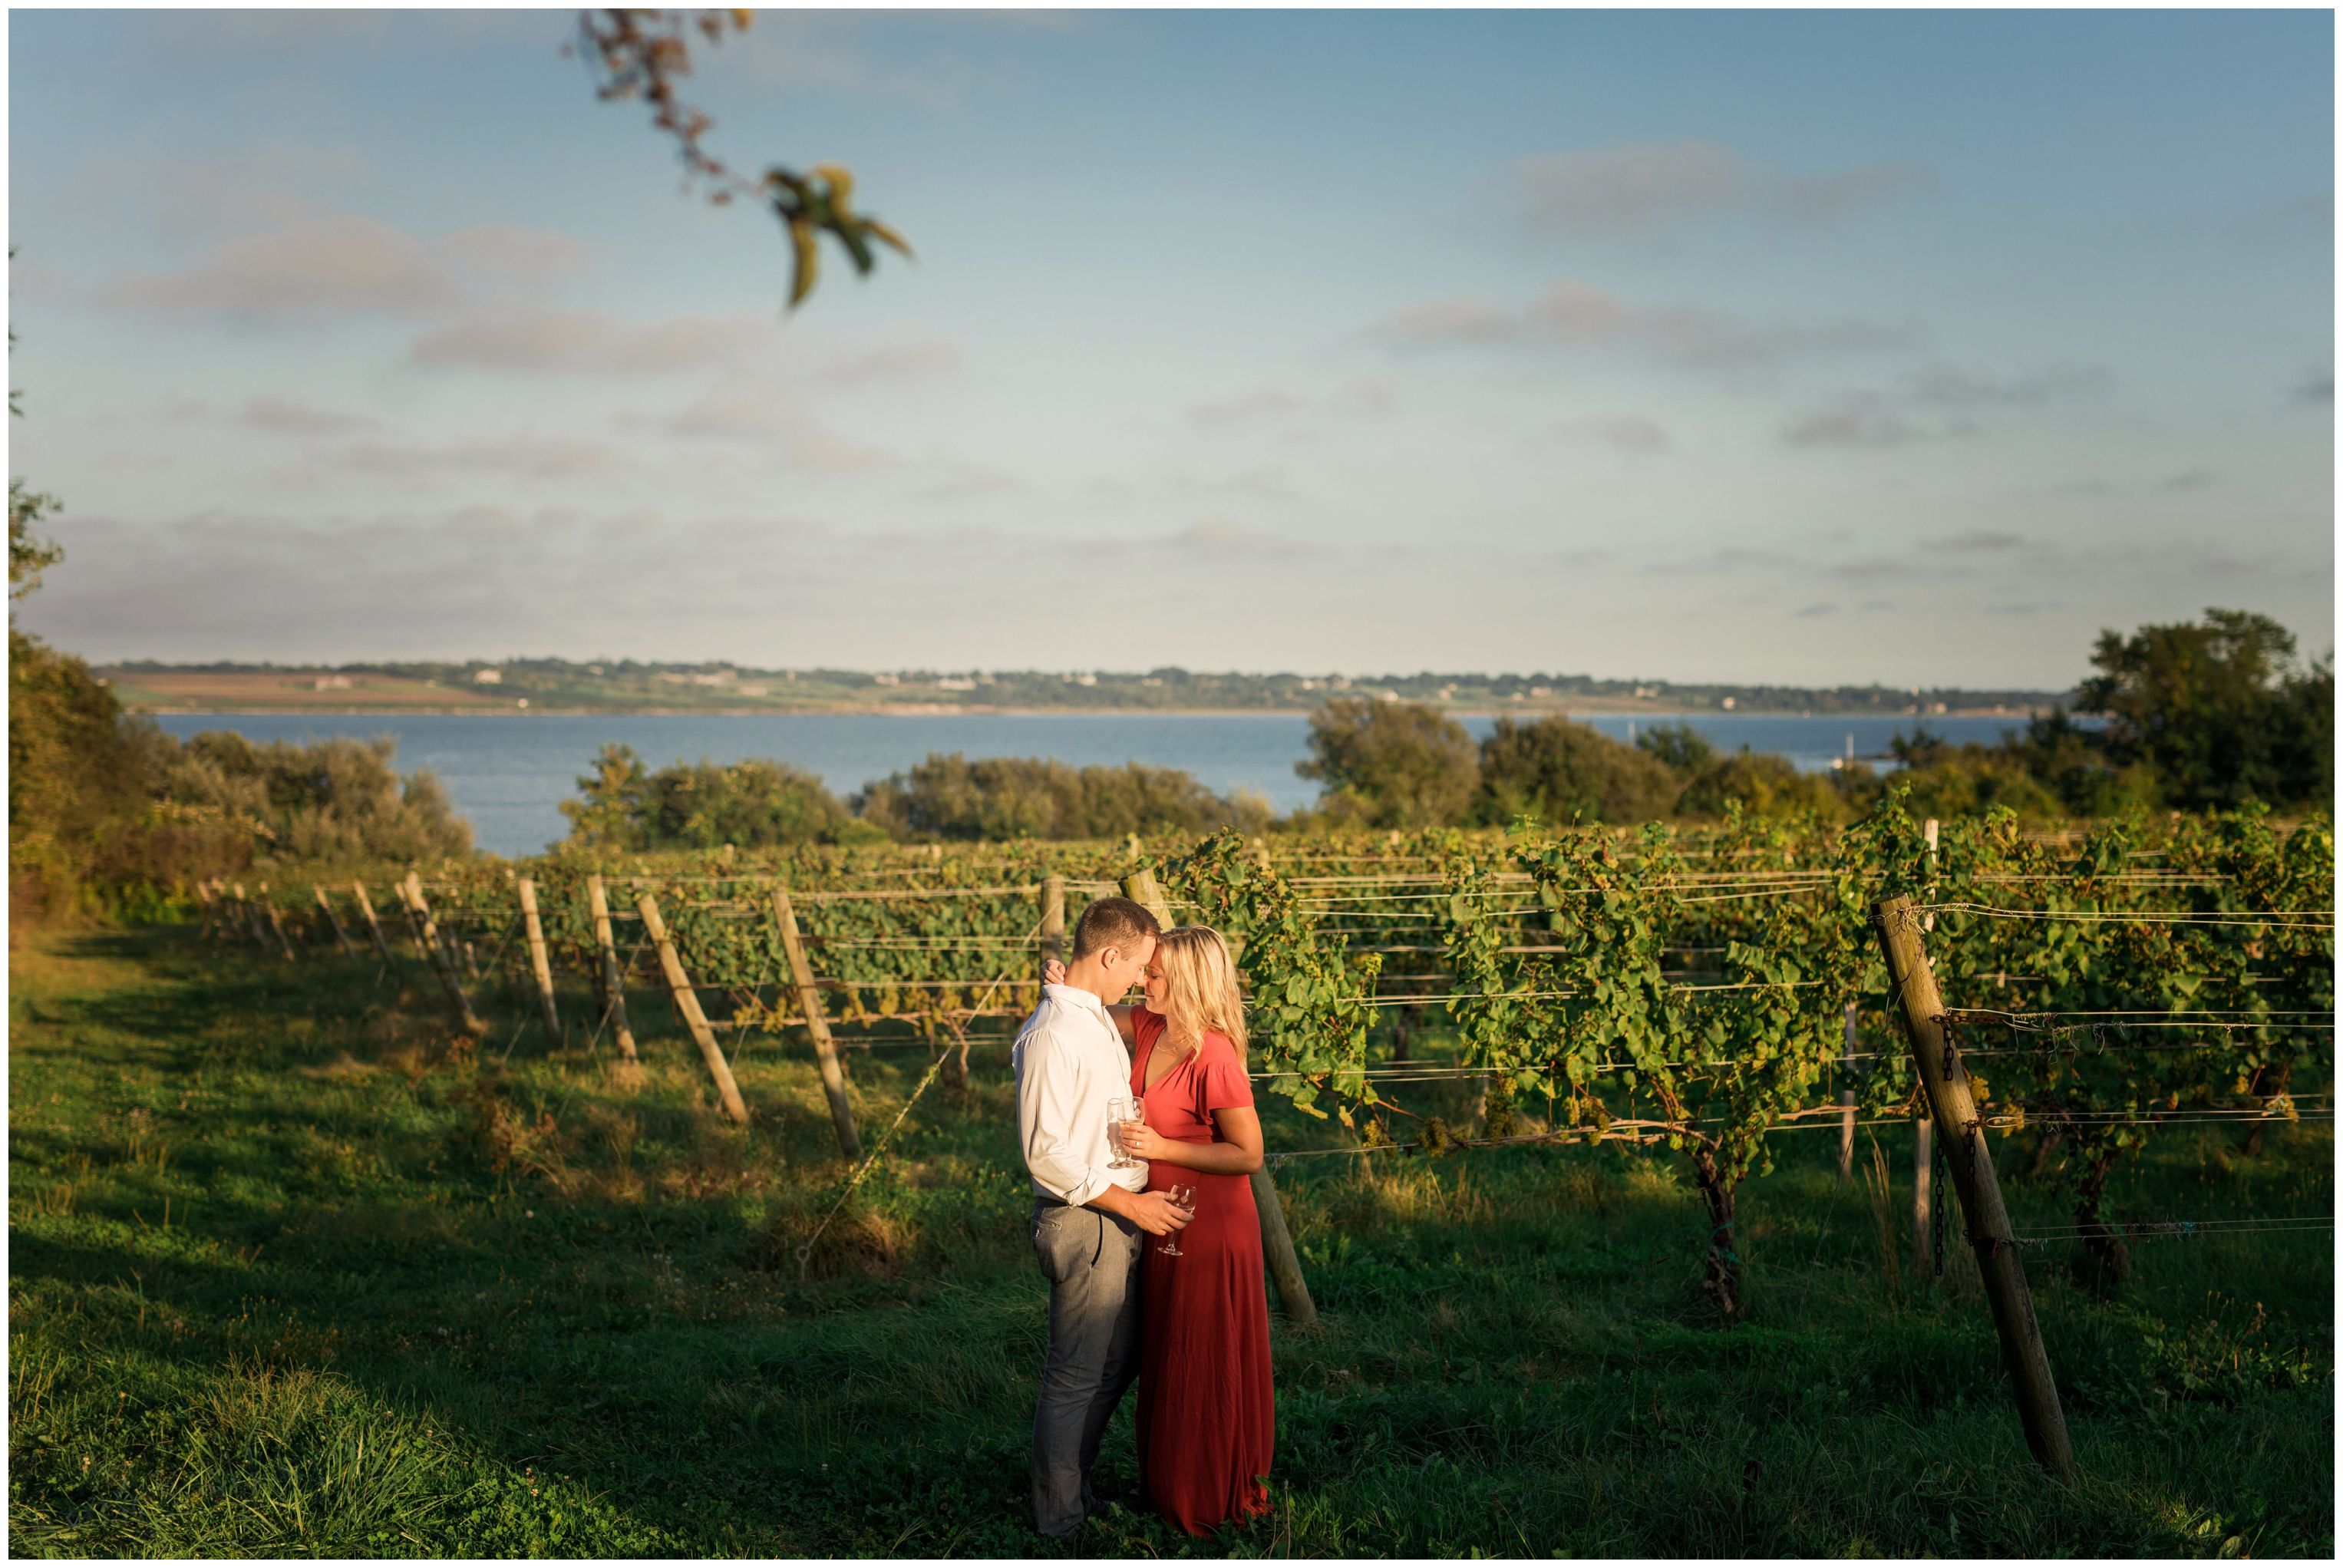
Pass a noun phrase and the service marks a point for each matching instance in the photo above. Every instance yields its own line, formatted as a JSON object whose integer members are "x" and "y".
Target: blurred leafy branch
{"x": 640, "y": 55}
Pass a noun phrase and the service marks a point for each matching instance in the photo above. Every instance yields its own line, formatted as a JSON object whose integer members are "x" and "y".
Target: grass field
{"x": 291, "y": 1276}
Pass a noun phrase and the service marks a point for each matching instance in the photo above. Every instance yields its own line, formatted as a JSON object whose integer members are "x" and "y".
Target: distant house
{"x": 487, "y": 677}
{"x": 331, "y": 683}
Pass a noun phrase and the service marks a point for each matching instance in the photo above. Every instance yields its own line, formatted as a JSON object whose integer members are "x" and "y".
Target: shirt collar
{"x": 1074, "y": 996}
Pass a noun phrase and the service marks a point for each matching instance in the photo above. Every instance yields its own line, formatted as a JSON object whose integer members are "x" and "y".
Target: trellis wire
{"x": 2276, "y": 920}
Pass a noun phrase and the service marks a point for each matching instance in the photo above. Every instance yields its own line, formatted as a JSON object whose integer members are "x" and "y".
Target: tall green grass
{"x": 292, "y": 1274}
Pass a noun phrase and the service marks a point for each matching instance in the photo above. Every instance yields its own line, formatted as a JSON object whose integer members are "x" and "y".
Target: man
{"x": 1071, "y": 1063}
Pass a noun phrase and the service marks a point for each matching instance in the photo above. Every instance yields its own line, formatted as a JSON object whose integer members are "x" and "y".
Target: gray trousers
{"x": 1091, "y": 1258}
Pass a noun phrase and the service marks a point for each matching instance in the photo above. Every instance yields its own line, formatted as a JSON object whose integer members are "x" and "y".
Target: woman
{"x": 1207, "y": 1413}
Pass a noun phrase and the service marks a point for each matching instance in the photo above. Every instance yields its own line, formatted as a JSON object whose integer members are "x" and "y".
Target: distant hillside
{"x": 551, "y": 685}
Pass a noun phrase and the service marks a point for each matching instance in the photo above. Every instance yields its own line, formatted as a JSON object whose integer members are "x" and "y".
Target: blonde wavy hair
{"x": 1200, "y": 987}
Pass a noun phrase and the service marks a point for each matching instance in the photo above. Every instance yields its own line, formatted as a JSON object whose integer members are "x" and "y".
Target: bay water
{"x": 508, "y": 773}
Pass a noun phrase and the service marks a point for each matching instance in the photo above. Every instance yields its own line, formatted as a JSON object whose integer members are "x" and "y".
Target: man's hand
{"x": 1158, "y": 1215}
{"x": 1151, "y": 1211}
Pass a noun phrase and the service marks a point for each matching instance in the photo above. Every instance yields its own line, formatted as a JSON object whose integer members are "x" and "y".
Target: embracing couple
{"x": 1142, "y": 1287}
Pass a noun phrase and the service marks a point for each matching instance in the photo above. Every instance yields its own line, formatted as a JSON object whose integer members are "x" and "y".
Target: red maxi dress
{"x": 1207, "y": 1413}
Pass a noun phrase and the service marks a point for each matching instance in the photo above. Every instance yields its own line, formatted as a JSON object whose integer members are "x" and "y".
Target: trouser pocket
{"x": 1066, "y": 1239}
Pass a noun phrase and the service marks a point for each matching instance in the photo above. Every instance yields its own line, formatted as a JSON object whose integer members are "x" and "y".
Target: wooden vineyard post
{"x": 1928, "y": 833}
{"x": 1924, "y": 1197}
{"x": 248, "y": 915}
{"x": 277, "y": 923}
{"x": 825, "y": 1049}
{"x": 1953, "y": 1108}
{"x": 414, "y": 924}
{"x": 1846, "y": 1107}
{"x": 333, "y": 921}
{"x": 686, "y": 1003}
{"x": 1054, "y": 923}
{"x": 427, "y": 935}
{"x": 1276, "y": 1241}
{"x": 210, "y": 908}
{"x": 614, "y": 987}
{"x": 1924, "y": 1133}
{"x": 540, "y": 961}
{"x": 374, "y": 926}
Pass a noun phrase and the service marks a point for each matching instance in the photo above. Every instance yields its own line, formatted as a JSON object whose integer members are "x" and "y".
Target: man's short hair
{"x": 1112, "y": 923}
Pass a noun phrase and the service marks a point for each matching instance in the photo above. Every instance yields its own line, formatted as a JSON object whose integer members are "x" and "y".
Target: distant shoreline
{"x": 950, "y": 710}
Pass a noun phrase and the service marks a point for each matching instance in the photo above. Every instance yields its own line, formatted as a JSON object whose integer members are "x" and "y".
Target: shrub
{"x": 754, "y": 804}
{"x": 1391, "y": 764}
{"x": 1560, "y": 772}
{"x": 1762, "y": 785}
{"x": 334, "y": 800}
{"x": 953, "y": 797}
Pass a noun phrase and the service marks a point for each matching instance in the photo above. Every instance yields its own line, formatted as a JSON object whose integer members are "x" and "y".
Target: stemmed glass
{"x": 1184, "y": 1196}
{"x": 1118, "y": 1111}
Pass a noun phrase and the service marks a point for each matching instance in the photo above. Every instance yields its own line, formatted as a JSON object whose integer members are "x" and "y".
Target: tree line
{"x": 2199, "y": 716}
{"x": 106, "y": 812}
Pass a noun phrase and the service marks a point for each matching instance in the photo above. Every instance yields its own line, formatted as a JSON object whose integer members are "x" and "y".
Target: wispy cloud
{"x": 1873, "y": 428}
{"x": 512, "y": 254}
{"x": 1575, "y": 315}
{"x": 2315, "y": 390}
{"x": 1218, "y": 536}
{"x": 280, "y": 417}
{"x": 1251, "y": 408}
{"x": 571, "y": 342}
{"x": 1937, "y": 402}
{"x": 1976, "y": 541}
{"x": 892, "y": 364}
{"x": 1648, "y": 186}
{"x": 1620, "y": 432}
{"x": 342, "y": 263}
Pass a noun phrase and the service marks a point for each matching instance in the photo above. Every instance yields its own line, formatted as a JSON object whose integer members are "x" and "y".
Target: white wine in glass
{"x": 1119, "y": 1112}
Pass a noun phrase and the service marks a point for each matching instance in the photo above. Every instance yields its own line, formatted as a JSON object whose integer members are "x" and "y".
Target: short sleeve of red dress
{"x": 1224, "y": 1081}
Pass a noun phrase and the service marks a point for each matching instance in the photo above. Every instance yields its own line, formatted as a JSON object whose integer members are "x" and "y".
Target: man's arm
{"x": 1151, "y": 1211}
{"x": 1049, "y": 1101}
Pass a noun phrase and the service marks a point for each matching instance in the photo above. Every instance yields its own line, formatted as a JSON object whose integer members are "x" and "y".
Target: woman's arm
{"x": 1236, "y": 1151}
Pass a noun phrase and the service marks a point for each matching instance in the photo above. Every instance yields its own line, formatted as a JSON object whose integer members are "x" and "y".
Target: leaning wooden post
{"x": 414, "y": 923}
{"x": 825, "y": 1049}
{"x": 686, "y": 1003}
{"x": 1953, "y": 1108}
{"x": 614, "y": 989}
{"x": 277, "y": 923}
{"x": 428, "y": 933}
{"x": 374, "y": 926}
{"x": 1276, "y": 1241}
{"x": 1847, "y": 1105}
{"x": 538, "y": 959}
{"x": 247, "y": 917}
{"x": 341, "y": 936}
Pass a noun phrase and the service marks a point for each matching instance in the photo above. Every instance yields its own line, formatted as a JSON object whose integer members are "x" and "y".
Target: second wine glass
{"x": 1183, "y": 1195}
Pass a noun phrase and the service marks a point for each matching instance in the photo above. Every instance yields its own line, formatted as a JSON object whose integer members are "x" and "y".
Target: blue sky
{"x": 1807, "y": 348}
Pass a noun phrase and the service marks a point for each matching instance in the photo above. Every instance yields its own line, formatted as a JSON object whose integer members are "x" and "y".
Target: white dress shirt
{"x": 1070, "y": 1063}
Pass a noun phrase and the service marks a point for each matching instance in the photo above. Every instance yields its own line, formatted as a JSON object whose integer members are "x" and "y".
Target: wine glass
{"x": 1184, "y": 1196}
{"x": 1118, "y": 1111}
